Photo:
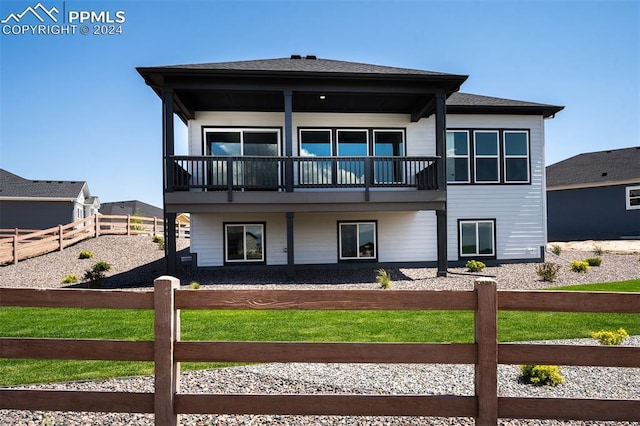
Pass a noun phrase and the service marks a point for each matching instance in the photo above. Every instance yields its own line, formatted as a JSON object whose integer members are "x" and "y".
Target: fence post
{"x": 486, "y": 338}
{"x": 155, "y": 225}
{"x": 128, "y": 224}
{"x": 97, "y": 225}
{"x": 60, "y": 237}
{"x": 166, "y": 333}
{"x": 15, "y": 249}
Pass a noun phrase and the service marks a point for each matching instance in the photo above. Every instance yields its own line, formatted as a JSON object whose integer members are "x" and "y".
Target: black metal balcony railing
{"x": 218, "y": 173}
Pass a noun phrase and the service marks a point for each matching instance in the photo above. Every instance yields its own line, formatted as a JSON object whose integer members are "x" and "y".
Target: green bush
{"x": 383, "y": 278}
{"x": 158, "y": 239}
{"x": 548, "y": 271}
{"x": 70, "y": 279}
{"x": 85, "y": 254}
{"x": 96, "y": 274}
{"x": 541, "y": 375}
{"x": 556, "y": 250}
{"x": 598, "y": 251}
{"x": 194, "y": 285}
{"x": 579, "y": 266}
{"x": 594, "y": 261}
{"x": 609, "y": 338}
{"x": 475, "y": 266}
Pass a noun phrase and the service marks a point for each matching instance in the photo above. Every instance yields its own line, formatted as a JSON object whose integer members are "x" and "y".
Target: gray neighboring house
{"x": 132, "y": 207}
{"x": 595, "y": 196}
{"x": 42, "y": 204}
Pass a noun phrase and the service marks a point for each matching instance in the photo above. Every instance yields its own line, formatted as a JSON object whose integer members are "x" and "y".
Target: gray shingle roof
{"x": 131, "y": 207}
{"x": 466, "y": 102}
{"x": 12, "y": 185}
{"x": 596, "y": 168}
{"x": 304, "y": 64}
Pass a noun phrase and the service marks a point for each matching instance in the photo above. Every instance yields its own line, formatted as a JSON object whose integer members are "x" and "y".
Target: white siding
{"x": 519, "y": 210}
{"x": 207, "y": 236}
{"x": 402, "y": 236}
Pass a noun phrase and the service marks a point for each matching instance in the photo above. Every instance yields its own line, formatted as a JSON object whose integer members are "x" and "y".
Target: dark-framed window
{"x": 458, "y": 156}
{"x": 516, "y": 156}
{"x": 486, "y": 152}
{"x": 257, "y": 173}
{"x": 388, "y": 143}
{"x": 358, "y": 240}
{"x": 244, "y": 242}
{"x": 477, "y": 237}
{"x": 350, "y": 142}
{"x": 488, "y": 156}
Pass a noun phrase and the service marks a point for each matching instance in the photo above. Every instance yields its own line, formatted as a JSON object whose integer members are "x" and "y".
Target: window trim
{"x": 628, "y": 197}
{"x": 493, "y": 236}
{"x": 244, "y": 261}
{"x": 374, "y": 258}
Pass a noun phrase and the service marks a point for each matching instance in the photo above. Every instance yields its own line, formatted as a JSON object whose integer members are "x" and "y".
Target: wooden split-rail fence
{"x": 18, "y": 244}
{"x": 167, "y": 351}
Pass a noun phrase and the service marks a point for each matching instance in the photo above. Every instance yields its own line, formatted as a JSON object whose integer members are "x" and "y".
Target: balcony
{"x": 295, "y": 180}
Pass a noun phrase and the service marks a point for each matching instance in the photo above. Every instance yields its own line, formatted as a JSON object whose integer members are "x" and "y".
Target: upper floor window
{"x": 488, "y": 156}
{"x": 633, "y": 197}
{"x": 516, "y": 156}
{"x": 237, "y": 142}
{"x": 486, "y": 150}
{"x": 458, "y": 156}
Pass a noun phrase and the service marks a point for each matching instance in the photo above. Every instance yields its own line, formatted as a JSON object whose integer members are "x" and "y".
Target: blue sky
{"x": 73, "y": 107}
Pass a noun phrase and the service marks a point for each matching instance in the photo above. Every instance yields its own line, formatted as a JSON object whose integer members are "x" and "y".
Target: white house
{"x": 307, "y": 161}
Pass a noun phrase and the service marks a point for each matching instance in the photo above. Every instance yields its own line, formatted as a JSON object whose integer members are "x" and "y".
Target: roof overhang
{"x": 241, "y": 90}
{"x": 547, "y": 111}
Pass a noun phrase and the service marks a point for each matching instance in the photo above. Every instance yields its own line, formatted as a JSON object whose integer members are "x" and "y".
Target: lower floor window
{"x": 477, "y": 238}
{"x": 357, "y": 240}
{"x": 244, "y": 242}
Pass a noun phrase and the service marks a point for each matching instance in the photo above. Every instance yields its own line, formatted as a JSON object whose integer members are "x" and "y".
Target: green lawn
{"x": 331, "y": 326}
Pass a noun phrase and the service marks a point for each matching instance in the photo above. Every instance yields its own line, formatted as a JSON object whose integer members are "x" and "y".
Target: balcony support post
{"x": 441, "y": 181}
{"x": 291, "y": 269}
{"x": 167, "y": 138}
{"x": 288, "y": 139}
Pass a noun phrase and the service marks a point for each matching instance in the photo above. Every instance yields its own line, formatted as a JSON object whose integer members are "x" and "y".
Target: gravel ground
{"x": 137, "y": 261}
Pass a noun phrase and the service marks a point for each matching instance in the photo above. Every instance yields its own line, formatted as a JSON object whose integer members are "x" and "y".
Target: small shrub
{"x": 158, "y": 239}
{"x": 609, "y": 338}
{"x": 85, "y": 254}
{"x": 383, "y": 278}
{"x": 475, "y": 266}
{"x": 556, "y": 250}
{"x": 96, "y": 274}
{"x": 598, "y": 251}
{"x": 70, "y": 279}
{"x": 194, "y": 285}
{"x": 548, "y": 271}
{"x": 594, "y": 261}
{"x": 579, "y": 266}
{"x": 541, "y": 375}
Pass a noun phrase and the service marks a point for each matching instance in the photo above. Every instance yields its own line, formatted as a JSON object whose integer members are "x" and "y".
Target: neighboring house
{"x": 132, "y": 207}
{"x": 42, "y": 204}
{"x": 595, "y": 196}
{"x": 308, "y": 161}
